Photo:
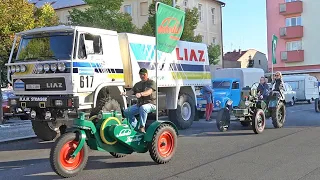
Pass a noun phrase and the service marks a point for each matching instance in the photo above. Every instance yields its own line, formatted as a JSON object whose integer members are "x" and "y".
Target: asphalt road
{"x": 203, "y": 153}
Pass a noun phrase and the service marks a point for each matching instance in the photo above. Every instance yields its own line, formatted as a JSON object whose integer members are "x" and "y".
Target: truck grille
{"x": 40, "y": 84}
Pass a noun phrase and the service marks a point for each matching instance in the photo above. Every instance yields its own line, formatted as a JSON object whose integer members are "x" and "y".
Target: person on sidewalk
{"x": 208, "y": 96}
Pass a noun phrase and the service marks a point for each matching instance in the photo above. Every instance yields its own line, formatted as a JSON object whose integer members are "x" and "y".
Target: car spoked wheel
{"x": 223, "y": 120}
{"x": 259, "y": 121}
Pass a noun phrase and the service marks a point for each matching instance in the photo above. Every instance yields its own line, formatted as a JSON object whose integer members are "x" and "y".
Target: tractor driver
{"x": 145, "y": 91}
{"x": 263, "y": 88}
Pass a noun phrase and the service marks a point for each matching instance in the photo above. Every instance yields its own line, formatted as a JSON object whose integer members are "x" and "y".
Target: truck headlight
{"x": 218, "y": 103}
{"x": 17, "y": 68}
{"x": 13, "y": 69}
{"x": 58, "y": 102}
{"x": 39, "y": 68}
{"x": 46, "y": 67}
{"x": 23, "y": 68}
{"x": 13, "y": 102}
{"x": 53, "y": 67}
{"x": 61, "y": 67}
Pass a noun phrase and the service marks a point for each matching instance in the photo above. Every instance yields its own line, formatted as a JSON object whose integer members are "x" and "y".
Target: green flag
{"x": 274, "y": 46}
{"x": 169, "y": 27}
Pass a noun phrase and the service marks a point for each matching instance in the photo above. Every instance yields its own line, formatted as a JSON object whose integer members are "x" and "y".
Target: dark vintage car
{"x": 7, "y": 113}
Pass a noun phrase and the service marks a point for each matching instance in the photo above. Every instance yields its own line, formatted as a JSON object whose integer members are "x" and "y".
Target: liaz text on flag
{"x": 169, "y": 27}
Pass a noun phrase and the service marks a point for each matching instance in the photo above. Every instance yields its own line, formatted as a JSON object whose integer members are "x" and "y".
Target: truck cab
{"x": 224, "y": 89}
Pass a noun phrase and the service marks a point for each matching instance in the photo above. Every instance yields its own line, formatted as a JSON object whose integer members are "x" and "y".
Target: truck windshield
{"x": 45, "y": 46}
{"x": 221, "y": 85}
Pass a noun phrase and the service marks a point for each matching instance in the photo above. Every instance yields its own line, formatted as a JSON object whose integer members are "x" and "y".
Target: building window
{"x": 259, "y": 62}
{"x": 294, "y": 45}
{"x": 293, "y": 21}
{"x": 185, "y": 5}
{"x": 291, "y": 0}
{"x": 200, "y": 12}
{"x": 128, "y": 9}
{"x": 214, "y": 41}
{"x": 213, "y": 15}
{"x": 144, "y": 8}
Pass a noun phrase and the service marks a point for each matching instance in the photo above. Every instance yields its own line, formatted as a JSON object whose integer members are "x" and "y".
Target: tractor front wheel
{"x": 164, "y": 144}
{"x": 60, "y": 156}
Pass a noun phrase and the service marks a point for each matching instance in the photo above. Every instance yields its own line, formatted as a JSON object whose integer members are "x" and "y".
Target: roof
{"x": 58, "y": 4}
{"x": 233, "y": 56}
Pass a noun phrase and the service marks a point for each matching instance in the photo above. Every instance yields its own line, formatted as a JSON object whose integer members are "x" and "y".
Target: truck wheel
{"x": 259, "y": 121}
{"x": 278, "y": 115}
{"x": 106, "y": 104}
{"x": 163, "y": 145}
{"x": 184, "y": 115}
{"x": 43, "y": 130}
{"x": 223, "y": 119}
{"x": 60, "y": 159}
{"x": 317, "y": 105}
{"x": 117, "y": 155}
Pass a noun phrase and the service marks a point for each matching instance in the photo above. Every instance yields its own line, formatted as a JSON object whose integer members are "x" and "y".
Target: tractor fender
{"x": 153, "y": 127}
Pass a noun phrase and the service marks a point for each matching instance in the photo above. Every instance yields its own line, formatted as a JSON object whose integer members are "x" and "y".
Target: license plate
{"x": 33, "y": 86}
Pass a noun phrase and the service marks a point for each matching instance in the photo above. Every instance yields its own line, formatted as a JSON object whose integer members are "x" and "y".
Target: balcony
{"x": 291, "y": 32}
{"x": 291, "y": 8}
{"x": 292, "y": 56}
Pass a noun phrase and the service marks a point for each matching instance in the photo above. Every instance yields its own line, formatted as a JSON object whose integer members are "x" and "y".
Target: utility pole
{"x": 1, "y": 110}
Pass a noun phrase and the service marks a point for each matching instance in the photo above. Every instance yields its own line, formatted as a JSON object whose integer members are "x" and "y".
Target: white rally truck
{"x": 62, "y": 70}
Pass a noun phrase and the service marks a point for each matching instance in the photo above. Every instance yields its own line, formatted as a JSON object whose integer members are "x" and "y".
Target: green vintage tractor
{"x": 109, "y": 132}
{"x": 254, "y": 110}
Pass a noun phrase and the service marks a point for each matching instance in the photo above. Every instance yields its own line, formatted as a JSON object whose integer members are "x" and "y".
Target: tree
{"x": 190, "y": 24}
{"x": 17, "y": 16}
{"x": 45, "y": 16}
{"x": 103, "y": 14}
{"x": 214, "y": 52}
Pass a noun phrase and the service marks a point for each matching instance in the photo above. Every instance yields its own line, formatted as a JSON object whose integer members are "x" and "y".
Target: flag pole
{"x": 156, "y": 56}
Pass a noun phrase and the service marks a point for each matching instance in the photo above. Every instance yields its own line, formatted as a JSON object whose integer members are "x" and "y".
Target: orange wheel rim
{"x": 165, "y": 144}
{"x": 66, "y": 160}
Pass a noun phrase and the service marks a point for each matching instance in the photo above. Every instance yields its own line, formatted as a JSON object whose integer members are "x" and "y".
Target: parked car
{"x": 289, "y": 94}
{"x": 6, "y": 93}
{"x": 7, "y": 111}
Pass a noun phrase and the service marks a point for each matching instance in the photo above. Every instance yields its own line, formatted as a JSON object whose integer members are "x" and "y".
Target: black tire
{"x": 42, "y": 130}
{"x": 106, "y": 104}
{"x": 259, "y": 121}
{"x": 201, "y": 114}
{"x": 164, "y": 131}
{"x": 176, "y": 116}
{"x": 309, "y": 101}
{"x": 245, "y": 123}
{"x": 117, "y": 155}
{"x": 57, "y": 151}
{"x": 317, "y": 105}
{"x": 278, "y": 115}
{"x": 223, "y": 119}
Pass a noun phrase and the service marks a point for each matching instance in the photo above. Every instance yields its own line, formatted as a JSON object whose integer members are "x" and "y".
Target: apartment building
{"x": 294, "y": 23}
{"x": 210, "y": 12}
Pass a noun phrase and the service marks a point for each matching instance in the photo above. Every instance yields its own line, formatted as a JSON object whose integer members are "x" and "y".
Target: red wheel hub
{"x": 165, "y": 144}
{"x": 66, "y": 160}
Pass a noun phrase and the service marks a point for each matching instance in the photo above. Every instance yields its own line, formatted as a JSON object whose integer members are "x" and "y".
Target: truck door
{"x": 235, "y": 93}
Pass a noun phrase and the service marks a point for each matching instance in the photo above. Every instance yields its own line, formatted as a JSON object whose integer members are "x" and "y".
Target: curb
{"x": 18, "y": 139}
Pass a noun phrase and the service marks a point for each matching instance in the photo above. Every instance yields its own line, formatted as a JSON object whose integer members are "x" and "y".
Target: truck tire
{"x": 317, "y": 105}
{"x": 106, "y": 104}
{"x": 223, "y": 120}
{"x": 184, "y": 115}
{"x": 278, "y": 115}
{"x": 43, "y": 131}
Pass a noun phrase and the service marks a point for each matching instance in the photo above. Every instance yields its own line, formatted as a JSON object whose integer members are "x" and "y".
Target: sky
{"x": 244, "y": 25}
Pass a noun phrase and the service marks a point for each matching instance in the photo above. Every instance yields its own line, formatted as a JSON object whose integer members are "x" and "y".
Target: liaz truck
{"x": 61, "y": 71}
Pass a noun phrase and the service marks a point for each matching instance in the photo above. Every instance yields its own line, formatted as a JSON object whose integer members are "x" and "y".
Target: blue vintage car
{"x": 225, "y": 90}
